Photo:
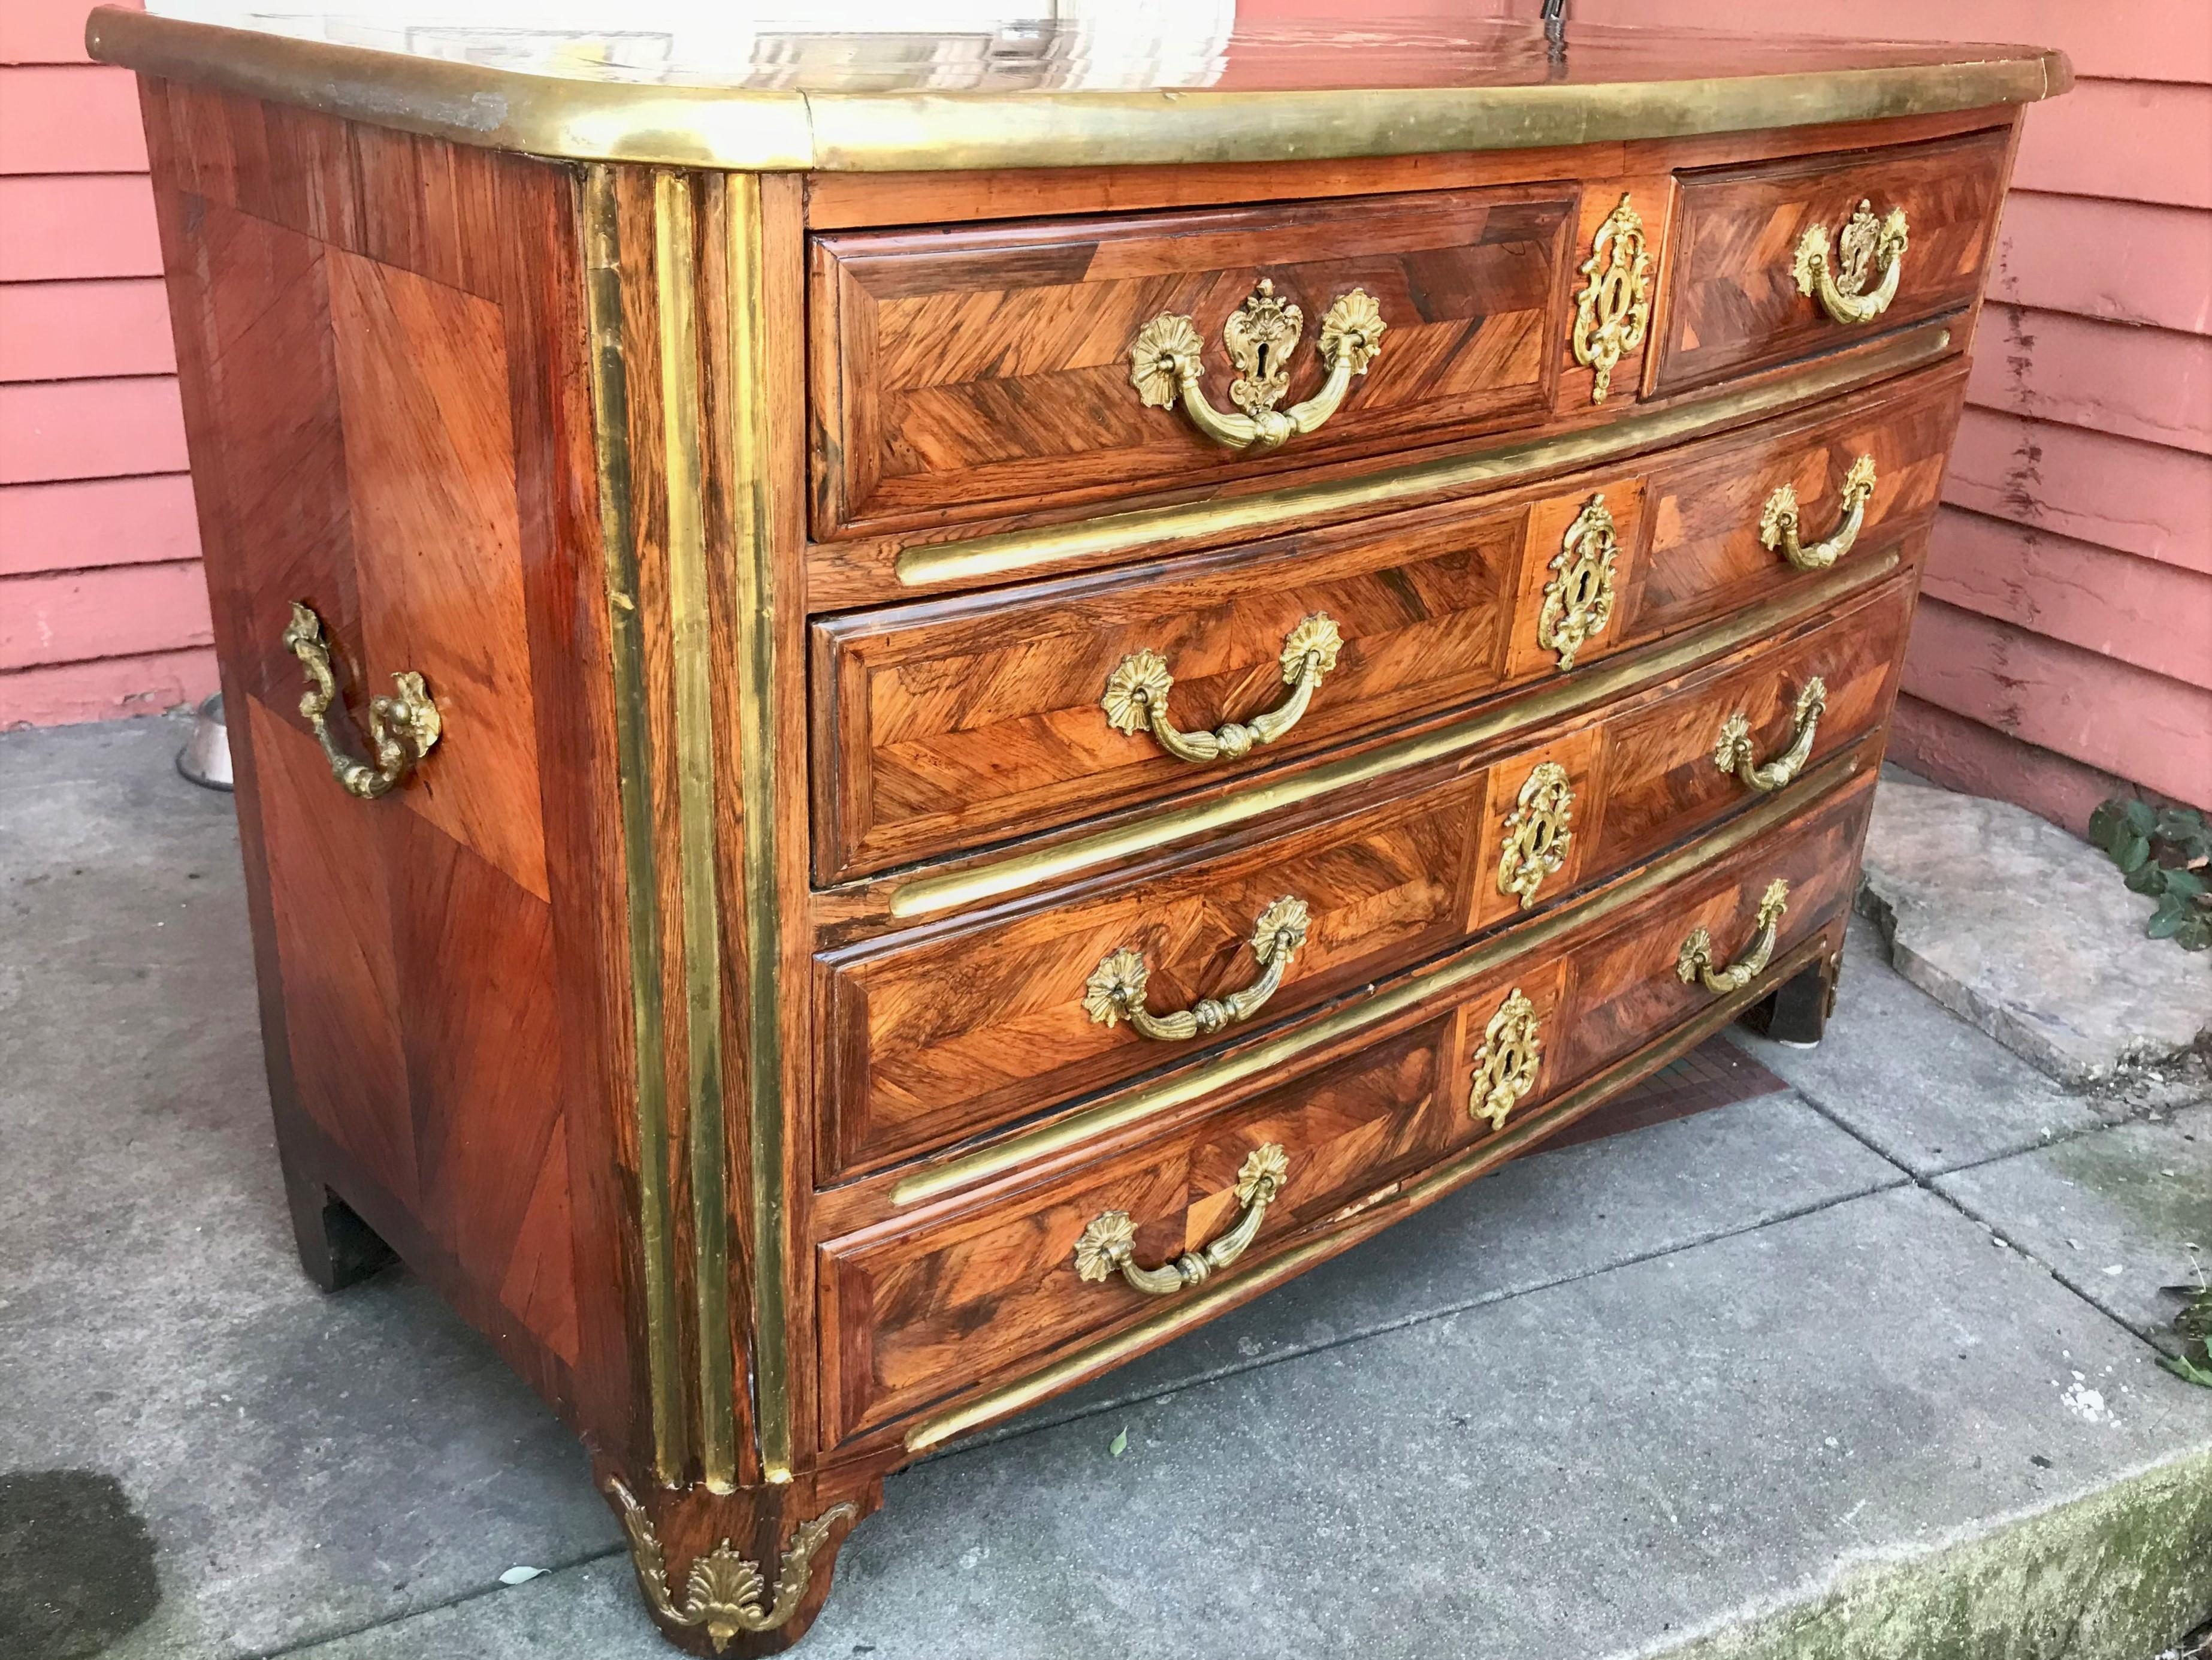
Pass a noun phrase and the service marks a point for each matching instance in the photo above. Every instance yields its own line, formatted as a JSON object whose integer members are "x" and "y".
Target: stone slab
{"x": 1926, "y": 1088}
{"x": 1712, "y": 1440}
{"x": 297, "y": 1465}
{"x": 2113, "y": 1215}
{"x": 2027, "y": 932}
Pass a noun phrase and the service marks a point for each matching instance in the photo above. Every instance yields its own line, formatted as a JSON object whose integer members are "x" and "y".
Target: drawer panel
{"x": 1734, "y": 301}
{"x": 959, "y": 372}
{"x": 972, "y": 1025}
{"x": 951, "y": 724}
{"x": 910, "y": 1311}
{"x": 944, "y": 725}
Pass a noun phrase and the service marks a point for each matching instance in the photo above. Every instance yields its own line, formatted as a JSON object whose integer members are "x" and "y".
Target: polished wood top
{"x": 973, "y": 86}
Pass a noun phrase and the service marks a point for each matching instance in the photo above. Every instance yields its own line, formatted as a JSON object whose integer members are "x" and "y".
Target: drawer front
{"x": 969, "y": 1027}
{"x": 940, "y": 726}
{"x": 957, "y": 374}
{"x": 1735, "y": 302}
{"x": 912, "y": 1311}
{"x": 1724, "y": 519}
{"x": 946, "y": 726}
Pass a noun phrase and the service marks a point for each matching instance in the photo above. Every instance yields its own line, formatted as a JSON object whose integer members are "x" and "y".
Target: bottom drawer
{"x": 915, "y": 1310}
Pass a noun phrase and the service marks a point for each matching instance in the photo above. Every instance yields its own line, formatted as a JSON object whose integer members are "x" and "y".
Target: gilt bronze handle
{"x": 1137, "y": 697}
{"x": 1115, "y": 989}
{"x": 1779, "y": 528}
{"x": 1169, "y": 358}
{"x": 1856, "y": 284}
{"x": 401, "y": 728}
{"x": 1732, "y": 753}
{"x": 1695, "y": 960}
{"x": 1108, "y": 1243}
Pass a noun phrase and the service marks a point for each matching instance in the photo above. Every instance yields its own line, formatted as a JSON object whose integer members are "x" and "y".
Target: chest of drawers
{"x": 907, "y": 719}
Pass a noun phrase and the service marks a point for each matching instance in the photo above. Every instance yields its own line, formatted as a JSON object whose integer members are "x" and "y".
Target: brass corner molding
{"x": 783, "y": 130}
{"x": 722, "y": 1591}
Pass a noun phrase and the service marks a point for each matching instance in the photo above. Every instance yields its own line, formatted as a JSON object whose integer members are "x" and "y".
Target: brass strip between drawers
{"x": 925, "y": 895}
{"x": 609, "y": 385}
{"x": 1454, "y": 1173}
{"x": 690, "y": 648}
{"x": 984, "y": 558}
{"x": 1237, "y": 1065}
{"x": 756, "y": 615}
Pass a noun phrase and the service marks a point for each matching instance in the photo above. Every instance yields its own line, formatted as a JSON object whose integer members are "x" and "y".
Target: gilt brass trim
{"x": 1611, "y": 312}
{"x": 722, "y": 1591}
{"x": 986, "y": 558}
{"x": 692, "y": 668}
{"x": 773, "y": 130}
{"x": 1272, "y": 797}
{"x": 1167, "y": 361}
{"x": 609, "y": 385}
{"x": 1493, "y": 1151}
{"x": 1108, "y": 1244}
{"x": 1222, "y": 1070}
{"x": 403, "y": 727}
{"x": 758, "y": 776}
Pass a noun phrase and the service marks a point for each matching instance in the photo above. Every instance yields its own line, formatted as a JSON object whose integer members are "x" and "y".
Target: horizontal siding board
{"x": 106, "y": 689}
{"x": 1965, "y": 754}
{"x": 85, "y": 331}
{"x": 2122, "y": 262}
{"x": 2148, "y": 384}
{"x": 125, "y": 610}
{"x": 62, "y": 118}
{"x": 2127, "y": 140}
{"x": 2138, "y": 498}
{"x": 2127, "y": 721}
{"x": 94, "y": 522}
{"x": 2131, "y": 39}
{"x": 47, "y": 31}
{"x": 2136, "y": 611}
{"x": 58, "y": 429}
{"x": 60, "y": 228}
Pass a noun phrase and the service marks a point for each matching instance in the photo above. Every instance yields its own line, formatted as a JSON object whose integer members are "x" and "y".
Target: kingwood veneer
{"x": 924, "y": 841}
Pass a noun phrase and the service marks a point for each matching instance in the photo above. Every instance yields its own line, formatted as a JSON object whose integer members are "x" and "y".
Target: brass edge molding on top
{"x": 1454, "y": 1173}
{"x": 756, "y": 611}
{"x": 599, "y": 220}
{"x": 1267, "y": 797}
{"x": 691, "y": 665}
{"x": 784, "y": 131}
{"x": 1006, "y": 553}
{"x": 1088, "y": 1125}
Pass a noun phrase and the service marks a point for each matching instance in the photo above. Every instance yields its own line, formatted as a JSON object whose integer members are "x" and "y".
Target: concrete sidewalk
{"x": 1866, "y": 1367}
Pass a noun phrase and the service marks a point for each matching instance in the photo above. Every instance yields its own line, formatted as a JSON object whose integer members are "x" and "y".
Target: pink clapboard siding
{"x": 2065, "y": 649}
{"x": 102, "y": 608}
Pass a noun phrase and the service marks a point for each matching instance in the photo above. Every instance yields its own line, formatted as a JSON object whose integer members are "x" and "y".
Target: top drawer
{"x": 1736, "y": 302}
{"x": 959, "y": 372}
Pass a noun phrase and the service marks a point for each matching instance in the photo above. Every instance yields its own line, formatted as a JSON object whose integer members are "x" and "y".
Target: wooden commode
{"x": 911, "y": 711}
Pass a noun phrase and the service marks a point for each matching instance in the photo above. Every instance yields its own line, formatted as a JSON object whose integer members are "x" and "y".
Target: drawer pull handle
{"x": 1505, "y": 1065}
{"x": 1695, "y": 960}
{"x": 1137, "y": 697}
{"x": 403, "y": 727}
{"x": 1857, "y": 284}
{"x": 1108, "y": 1243}
{"x": 1734, "y": 752}
{"x": 1169, "y": 358}
{"x": 1779, "y": 528}
{"x": 1115, "y": 989}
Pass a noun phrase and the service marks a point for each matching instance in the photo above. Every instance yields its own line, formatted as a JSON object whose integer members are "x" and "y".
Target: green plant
{"x": 2165, "y": 852}
{"x": 2194, "y": 1322}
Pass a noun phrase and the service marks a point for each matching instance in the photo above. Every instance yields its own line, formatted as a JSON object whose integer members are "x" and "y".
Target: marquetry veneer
{"x": 1020, "y": 713}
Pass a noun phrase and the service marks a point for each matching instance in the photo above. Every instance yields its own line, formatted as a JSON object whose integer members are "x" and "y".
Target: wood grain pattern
{"x": 957, "y": 372}
{"x": 1733, "y": 303}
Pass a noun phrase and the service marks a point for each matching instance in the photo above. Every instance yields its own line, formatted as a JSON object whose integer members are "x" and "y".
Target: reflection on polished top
{"x": 962, "y": 83}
